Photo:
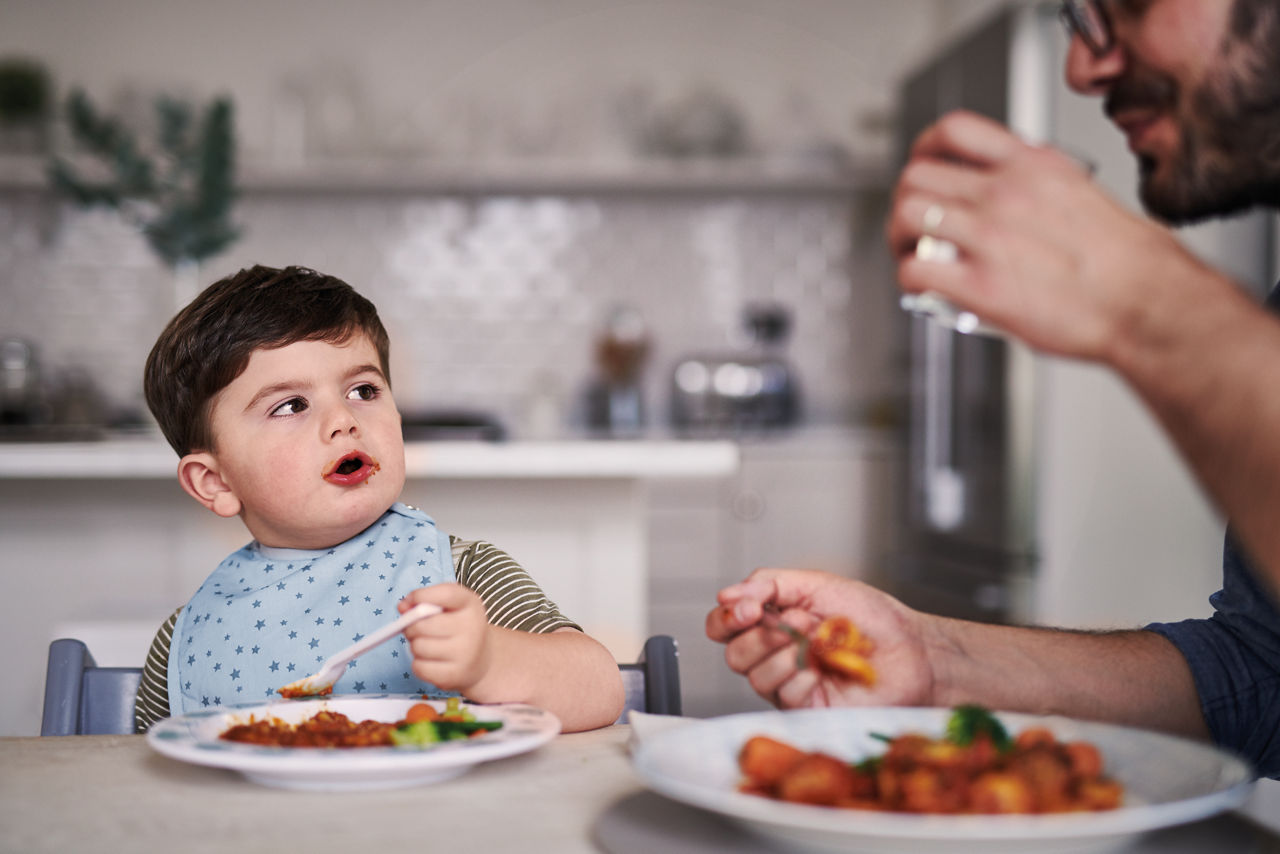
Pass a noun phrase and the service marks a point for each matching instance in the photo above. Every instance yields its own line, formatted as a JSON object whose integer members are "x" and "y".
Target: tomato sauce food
{"x": 838, "y": 647}
{"x": 976, "y": 768}
{"x": 422, "y": 724}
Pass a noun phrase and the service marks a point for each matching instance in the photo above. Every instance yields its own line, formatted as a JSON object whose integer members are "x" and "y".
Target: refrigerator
{"x": 1030, "y": 480}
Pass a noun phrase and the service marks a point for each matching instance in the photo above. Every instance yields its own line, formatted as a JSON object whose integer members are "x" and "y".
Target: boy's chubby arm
{"x": 566, "y": 672}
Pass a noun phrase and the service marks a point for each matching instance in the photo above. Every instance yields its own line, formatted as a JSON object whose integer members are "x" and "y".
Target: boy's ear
{"x": 198, "y": 475}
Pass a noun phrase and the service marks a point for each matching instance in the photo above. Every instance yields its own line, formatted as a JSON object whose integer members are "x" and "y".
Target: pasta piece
{"x": 975, "y": 768}
{"x": 839, "y": 648}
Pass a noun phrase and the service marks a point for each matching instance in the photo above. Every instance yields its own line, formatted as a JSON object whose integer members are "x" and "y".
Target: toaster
{"x": 752, "y": 390}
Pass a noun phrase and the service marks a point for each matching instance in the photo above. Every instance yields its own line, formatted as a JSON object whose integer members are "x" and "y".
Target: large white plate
{"x": 1167, "y": 781}
{"x": 194, "y": 738}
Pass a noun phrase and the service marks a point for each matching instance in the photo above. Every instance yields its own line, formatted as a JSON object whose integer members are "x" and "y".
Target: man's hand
{"x": 1044, "y": 254}
{"x": 768, "y": 658}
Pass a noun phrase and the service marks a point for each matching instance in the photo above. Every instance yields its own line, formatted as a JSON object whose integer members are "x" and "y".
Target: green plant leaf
{"x": 183, "y": 191}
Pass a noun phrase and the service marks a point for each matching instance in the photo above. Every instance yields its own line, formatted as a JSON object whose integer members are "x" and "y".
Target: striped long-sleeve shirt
{"x": 512, "y": 600}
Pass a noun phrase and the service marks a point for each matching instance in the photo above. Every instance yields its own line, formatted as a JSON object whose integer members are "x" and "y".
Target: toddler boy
{"x": 273, "y": 388}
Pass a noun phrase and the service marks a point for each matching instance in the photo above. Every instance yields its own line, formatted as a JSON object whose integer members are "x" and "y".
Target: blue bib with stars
{"x": 266, "y": 616}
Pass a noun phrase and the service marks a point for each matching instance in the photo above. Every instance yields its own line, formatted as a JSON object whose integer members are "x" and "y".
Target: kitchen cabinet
{"x": 812, "y": 499}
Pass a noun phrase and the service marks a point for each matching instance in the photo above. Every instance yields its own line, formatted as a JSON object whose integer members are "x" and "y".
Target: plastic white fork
{"x": 321, "y": 682}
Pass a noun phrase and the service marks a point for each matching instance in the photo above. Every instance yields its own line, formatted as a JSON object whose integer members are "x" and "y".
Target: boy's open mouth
{"x": 353, "y": 468}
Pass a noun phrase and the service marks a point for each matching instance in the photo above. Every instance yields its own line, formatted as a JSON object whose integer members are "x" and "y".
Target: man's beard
{"x": 1228, "y": 158}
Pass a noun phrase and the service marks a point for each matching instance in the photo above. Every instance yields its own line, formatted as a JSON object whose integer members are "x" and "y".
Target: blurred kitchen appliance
{"x": 38, "y": 407}
{"x": 614, "y": 399}
{"x": 968, "y": 544}
{"x": 755, "y": 389}
{"x": 451, "y": 425}
{"x": 22, "y": 398}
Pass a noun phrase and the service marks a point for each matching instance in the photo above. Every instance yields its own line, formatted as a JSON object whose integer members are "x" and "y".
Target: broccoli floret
{"x": 415, "y": 734}
{"x": 968, "y": 722}
{"x": 423, "y": 733}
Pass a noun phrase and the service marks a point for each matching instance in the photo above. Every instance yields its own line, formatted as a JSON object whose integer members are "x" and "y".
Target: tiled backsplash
{"x": 492, "y": 302}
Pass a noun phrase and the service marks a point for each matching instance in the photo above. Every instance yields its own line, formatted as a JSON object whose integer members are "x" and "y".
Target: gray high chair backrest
{"x": 81, "y": 698}
{"x": 653, "y": 682}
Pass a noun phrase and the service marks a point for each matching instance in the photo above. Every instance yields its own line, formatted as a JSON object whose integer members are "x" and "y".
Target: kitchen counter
{"x": 147, "y": 457}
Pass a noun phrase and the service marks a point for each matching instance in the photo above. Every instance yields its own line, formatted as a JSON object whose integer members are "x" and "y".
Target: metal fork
{"x": 772, "y": 618}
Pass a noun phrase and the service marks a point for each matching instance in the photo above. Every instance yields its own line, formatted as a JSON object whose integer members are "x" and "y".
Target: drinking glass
{"x": 941, "y": 310}
{"x": 937, "y": 308}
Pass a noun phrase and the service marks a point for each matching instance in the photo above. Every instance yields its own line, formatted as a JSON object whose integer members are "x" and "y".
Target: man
{"x": 1045, "y": 255}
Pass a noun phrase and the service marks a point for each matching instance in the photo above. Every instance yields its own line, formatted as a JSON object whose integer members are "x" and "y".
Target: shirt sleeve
{"x": 512, "y": 599}
{"x": 1239, "y": 689}
{"x": 1234, "y": 657}
{"x": 152, "y": 701}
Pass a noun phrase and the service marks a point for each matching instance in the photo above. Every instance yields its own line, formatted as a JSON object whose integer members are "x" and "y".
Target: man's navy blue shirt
{"x": 1235, "y": 656}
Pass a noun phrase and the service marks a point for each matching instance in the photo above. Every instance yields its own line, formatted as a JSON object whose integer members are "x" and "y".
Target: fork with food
{"x": 836, "y": 646}
{"x": 321, "y": 682}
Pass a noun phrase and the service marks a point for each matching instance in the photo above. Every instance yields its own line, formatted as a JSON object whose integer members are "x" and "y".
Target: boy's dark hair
{"x": 208, "y": 343}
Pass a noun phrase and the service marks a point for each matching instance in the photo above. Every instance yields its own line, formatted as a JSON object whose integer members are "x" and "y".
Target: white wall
{"x": 391, "y": 75}
{"x": 1126, "y": 534}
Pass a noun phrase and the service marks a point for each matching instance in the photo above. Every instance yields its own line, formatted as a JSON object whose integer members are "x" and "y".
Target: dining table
{"x": 576, "y": 793}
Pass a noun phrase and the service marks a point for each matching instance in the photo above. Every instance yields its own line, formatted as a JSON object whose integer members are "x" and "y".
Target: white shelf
{"x": 526, "y": 176}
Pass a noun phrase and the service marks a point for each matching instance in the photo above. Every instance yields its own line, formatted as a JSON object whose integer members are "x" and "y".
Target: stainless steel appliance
{"x": 752, "y": 390}
{"x": 968, "y": 545}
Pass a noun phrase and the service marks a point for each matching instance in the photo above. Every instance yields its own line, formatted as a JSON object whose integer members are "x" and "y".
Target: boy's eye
{"x": 292, "y": 406}
{"x": 364, "y": 391}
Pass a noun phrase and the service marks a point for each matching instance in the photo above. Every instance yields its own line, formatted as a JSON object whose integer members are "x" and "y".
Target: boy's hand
{"x": 451, "y": 650}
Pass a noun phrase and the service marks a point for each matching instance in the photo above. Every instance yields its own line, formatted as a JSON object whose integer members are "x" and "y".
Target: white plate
{"x": 1167, "y": 781}
{"x": 194, "y": 738}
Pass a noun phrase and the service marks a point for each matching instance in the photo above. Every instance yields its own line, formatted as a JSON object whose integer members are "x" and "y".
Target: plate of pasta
{"x": 930, "y": 780}
{"x": 345, "y": 742}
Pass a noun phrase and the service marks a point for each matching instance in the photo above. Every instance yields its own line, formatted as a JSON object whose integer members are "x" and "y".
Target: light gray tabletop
{"x": 575, "y": 794}
{"x": 113, "y": 793}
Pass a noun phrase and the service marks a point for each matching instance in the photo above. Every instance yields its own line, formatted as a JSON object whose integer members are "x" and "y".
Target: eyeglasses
{"x": 1088, "y": 19}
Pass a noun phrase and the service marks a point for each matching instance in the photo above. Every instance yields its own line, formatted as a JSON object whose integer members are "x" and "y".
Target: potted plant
{"x": 178, "y": 189}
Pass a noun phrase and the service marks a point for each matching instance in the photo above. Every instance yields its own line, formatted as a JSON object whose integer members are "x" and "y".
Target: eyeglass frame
{"x": 1089, "y": 20}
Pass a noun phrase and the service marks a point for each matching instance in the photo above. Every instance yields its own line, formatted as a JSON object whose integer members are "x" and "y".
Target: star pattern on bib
{"x": 341, "y": 595}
